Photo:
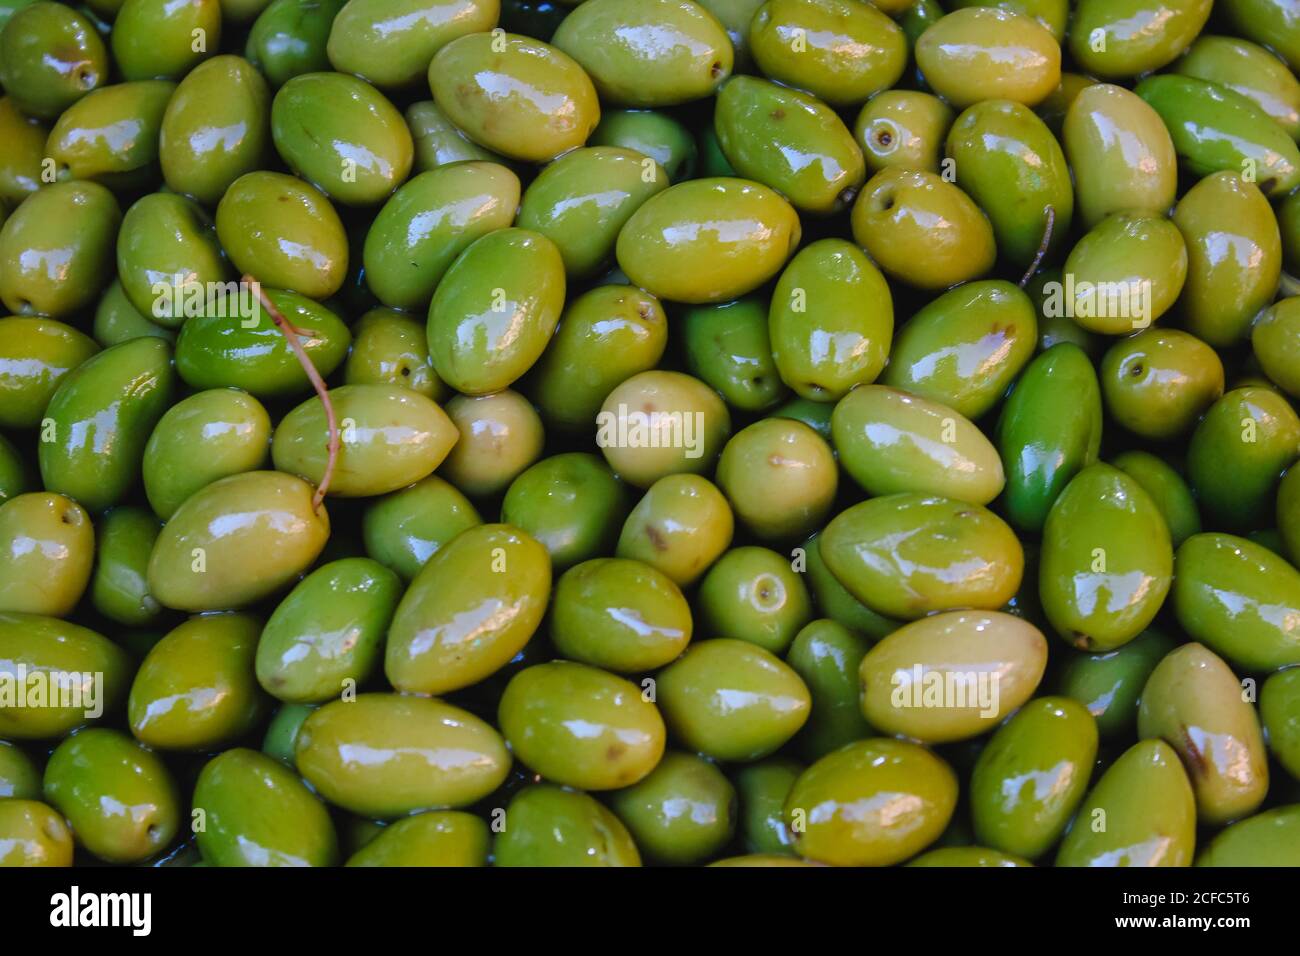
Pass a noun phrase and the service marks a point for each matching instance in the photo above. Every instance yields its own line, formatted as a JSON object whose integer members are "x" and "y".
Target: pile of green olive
{"x": 606, "y": 432}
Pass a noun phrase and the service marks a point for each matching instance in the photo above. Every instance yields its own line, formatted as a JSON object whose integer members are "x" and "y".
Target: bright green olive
{"x": 1275, "y": 340}
{"x": 836, "y": 601}
{"x": 903, "y": 128}
{"x": 402, "y": 530}
{"x": 922, "y": 229}
{"x": 19, "y": 778}
{"x": 1125, "y": 273}
{"x": 966, "y": 347}
{"x": 907, "y": 555}
{"x": 728, "y": 347}
{"x": 120, "y": 586}
{"x": 655, "y": 135}
{"x": 20, "y": 167}
{"x": 517, "y": 96}
{"x": 1167, "y": 488}
{"x": 50, "y": 56}
{"x": 572, "y": 504}
{"x": 684, "y": 812}
{"x": 389, "y": 437}
{"x": 438, "y": 141}
{"x": 873, "y": 802}
{"x": 762, "y": 788}
{"x": 33, "y": 834}
{"x": 580, "y": 726}
{"x": 1158, "y": 383}
{"x": 500, "y": 436}
{"x": 391, "y": 43}
{"x": 110, "y": 136}
{"x": 553, "y": 826}
{"x": 1123, "y": 38}
{"x": 831, "y": 320}
{"x": 1279, "y": 710}
{"x": 451, "y": 631}
{"x": 754, "y": 594}
{"x": 985, "y": 53}
{"x": 164, "y": 39}
{"x": 36, "y": 354}
{"x": 390, "y": 348}
{"x": 167, "y": 252}
{"x": 708, "y": 240}
{"x": 951, "y": 676}
{"x": 47, "y": 546}
{"x": 1250, "y": 70}
{"x": 1271, "y": 838}
{"x": 1110, "y": 684}
{"x": 439, "y": 838}
{"x": 290, "y": 37}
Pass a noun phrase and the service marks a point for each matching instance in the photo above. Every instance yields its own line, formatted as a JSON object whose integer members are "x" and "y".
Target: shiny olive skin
{"x": 960, "y": 650}
{"x": 1234, "y": 253}
{"x": 1239, "y": 599}
{"x": 389, "y": 437}
{"x": 1167, "y": 488}
{"x": 647, "y": 53}
{"x": 390, "y": 348}
{"x": 1107, "y": 560}
{"x": 731, "y": 700}
{"x": 118, "y": 321}
{"x": 1116, "y": 39}
{"x": 231, "y": 426}
{"x": 50, "y": 645}
{"x": 258, "y": 813}
{"x": 762, "y": 788}
{"x": 1009, "y": 162}
{"x": 390, "y": 44}
{"x": 50, "y": 56}
{"x": 903, "y": 128}
{"x": 1158, "y": 383}
{"x": 555, "y": 826}
{"x": 1194, "y": 701}
{"x": 580, "y": 726}
{"x": 1272, "y": 24}
{"x": 110, "y": 135}
{"x": 1279, "y": 711}
{"x": 290, "y": 38}
{"x": 167, "y": 246}
{"x": 900, "y": 555}
{"x": 830, "y": 320}
{"x": 495, "y": 310}
{"x": 119, "y": 588}
{"x": 890, "y": 442}
{"x": 325, "y": 636}
{"x": 656, "y": 135}
{"x": 13, "y": 471}
{"x": 33, "y": 834}
{"x": 438, "y": 141}
{"x": 827, "y": 655}
{"x": 780, "y": 478}
{"x": 1270, "y": 838}
{"x": 1250, "y": 70}
{"x": 582, "y": 200}
{"x": 754, "y": 594}
{"x": 1288, "y": 513}
{"x": 384, "y": 755}
{"x": 966, "y": 347}
{"x": 1125, "y": 273}
{"x": 1150, "y": 813}
{"x": 19, "y": 778}
{"x": 438, "y": 838}
{"x": 216, "y": 128}
{"x": 684, "y": 812}
{"x": 708, "y": 240}
{"x": 156, "y": 39}
{"x": 1050, "y": 428}
{"x": 922, "y": 229}
{"x": 873, "y": 802}
{"x": 36, "y": 354}
{"x": 728, "y": 347}
{"x": 47, "y": 545}
{"x": 236, "y": 541}
{"x": 572, "y": 504}
{"x": 451, "y": 632}
{"x": 118, "y": 797}
{"x": 404, "y": 529}
{"x": 837, "y": 602}
{"x": 1121, "y": 154}
{"x": 1237, "y": 455}
{"x": 1110, "y": 684}
{"x": 1031, "y": 776}
{"x": 195, "y": 690}
{"x": 1275, "y": 340}
{"x": 621, "y": 615}
{"x": 515, "y": 95}
{"x": 343, "y": 136}
{"x": 284, "y": 232}
{"x": 99, "y": 418}
{"x": 791, "y": 141}
{"x": 605, "y": 336}
{"x": 984, "y": 53}
{"x": 841, "y": 52}
{"x": 20, "y": 167}
{"x": 500, "y": 436}
{"x": 1214, "y": 129}
{"x": 235, "y": 344}
{"x": 56, "y": 250}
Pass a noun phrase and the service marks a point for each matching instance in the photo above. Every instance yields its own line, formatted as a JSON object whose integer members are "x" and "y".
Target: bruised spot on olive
{"x": 715, "y": 70}
{"x": 614, "y": 752}
{"x": 1192, "y": 757}
{"x": 778, "y": 114}
{"x": 656, "y": 538}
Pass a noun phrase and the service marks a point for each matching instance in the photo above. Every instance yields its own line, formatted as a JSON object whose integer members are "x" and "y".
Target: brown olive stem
{"x": 1042, "y": 247}
{"x": 291, "y": 333}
